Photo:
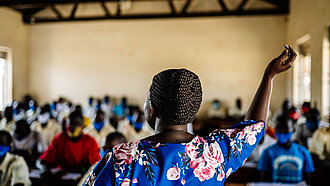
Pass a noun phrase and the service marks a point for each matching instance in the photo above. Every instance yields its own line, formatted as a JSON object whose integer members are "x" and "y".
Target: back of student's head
{"x": 113, "y": 139}
{"x": 5, "y": 138}
{"x": 114, "y": 121}
{"x": 314, "y": 115}
{"x": 286, "y": 105}
{"x": 99, "y": 117}
{"x": 22, "y": 129}
{"x": 313, "y": 119}
{"x": 75, "y": 119}
{"x": 283, "y": 124}
{"x": 78, "y": 108}
{"x": 45, "y": 109}
{"x": 8, "y": 112}
{"x": 74, "y": 115}
{"x": 177, "y": 95}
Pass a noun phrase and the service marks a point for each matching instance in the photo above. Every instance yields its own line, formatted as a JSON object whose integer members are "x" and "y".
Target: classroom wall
{"x": 15, "y": 35}
{"x": 313, "y": 18}
{"x": 120, "y": 57}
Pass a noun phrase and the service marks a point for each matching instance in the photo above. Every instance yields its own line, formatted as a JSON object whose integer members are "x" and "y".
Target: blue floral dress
{"x": 205, "y": 160}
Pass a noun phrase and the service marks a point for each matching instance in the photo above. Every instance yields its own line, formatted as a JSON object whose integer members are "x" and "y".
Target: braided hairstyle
{"x": 177, "y": 95}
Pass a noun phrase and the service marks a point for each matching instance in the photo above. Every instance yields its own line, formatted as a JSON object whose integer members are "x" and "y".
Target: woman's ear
{"x": 152, "y": 116}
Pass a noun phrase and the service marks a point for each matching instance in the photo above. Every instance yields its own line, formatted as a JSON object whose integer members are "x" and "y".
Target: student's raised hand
{"x": 281, "y": 63}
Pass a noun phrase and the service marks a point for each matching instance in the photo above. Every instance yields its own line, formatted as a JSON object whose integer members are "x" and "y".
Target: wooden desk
{"x": 63, "y": 179}
{"x": 249, "y": 173}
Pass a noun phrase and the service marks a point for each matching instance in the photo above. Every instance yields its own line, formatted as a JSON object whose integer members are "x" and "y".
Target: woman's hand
{"x": 281, "y": 63}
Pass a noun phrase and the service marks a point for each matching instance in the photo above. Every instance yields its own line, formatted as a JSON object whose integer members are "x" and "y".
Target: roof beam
{"x": 105, "y": 8}
{"x": 73, "y": 11}
{"x": 186, "y": 6}
{"x": 59, "y": 15}
{"x": 156, "y": 16}
{"x": 29, "y": 7}
{"x": 242, "y": 4}
{"x": 170, "y": 3}
{"x": 223, "y": 5}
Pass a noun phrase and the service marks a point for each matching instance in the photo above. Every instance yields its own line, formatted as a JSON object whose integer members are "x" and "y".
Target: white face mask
{"x": 43, "y": 118}
{"x": 19, "y": 116}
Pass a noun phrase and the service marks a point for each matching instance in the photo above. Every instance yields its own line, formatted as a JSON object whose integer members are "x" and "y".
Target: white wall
{"x": 15, "y": 35}
{"x": 79, "y": 59}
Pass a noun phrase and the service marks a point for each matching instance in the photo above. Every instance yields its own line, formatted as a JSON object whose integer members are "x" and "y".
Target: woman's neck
{"x": 161, "y": 126}
{"x": 165, "y": 133}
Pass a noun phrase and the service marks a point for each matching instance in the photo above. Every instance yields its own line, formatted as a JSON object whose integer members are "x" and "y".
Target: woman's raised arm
{"x": 259, "y": 107}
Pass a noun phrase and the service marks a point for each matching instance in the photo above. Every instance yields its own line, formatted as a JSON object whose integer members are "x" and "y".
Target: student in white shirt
{"x": 8, "y": 122}
{"x": 99, "y": 129}
{"x": 13, "y": 169}
{"x": 28, "y": 143}
{"x": 46, "y": 125}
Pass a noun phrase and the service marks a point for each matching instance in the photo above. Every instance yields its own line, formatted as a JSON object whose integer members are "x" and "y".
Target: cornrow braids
{"x": 177, "y": 95}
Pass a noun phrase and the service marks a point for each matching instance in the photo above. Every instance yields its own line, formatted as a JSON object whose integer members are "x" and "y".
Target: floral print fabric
{"x": 207, "y": 160}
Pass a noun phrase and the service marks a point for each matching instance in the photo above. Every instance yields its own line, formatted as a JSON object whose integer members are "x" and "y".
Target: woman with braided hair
{"x": 175, "y": 157}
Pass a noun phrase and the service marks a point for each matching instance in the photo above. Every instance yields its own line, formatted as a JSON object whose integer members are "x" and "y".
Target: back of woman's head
{"x": 177, "y": 95}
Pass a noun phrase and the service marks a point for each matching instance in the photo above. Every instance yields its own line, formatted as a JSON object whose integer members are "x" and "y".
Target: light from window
{"x": 5, "y": 77}
{"x": 326, "y": 75}
{"x": 302, "y": 74}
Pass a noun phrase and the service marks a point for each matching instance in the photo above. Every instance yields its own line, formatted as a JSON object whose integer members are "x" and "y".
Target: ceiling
{"x": 40, "y": 11}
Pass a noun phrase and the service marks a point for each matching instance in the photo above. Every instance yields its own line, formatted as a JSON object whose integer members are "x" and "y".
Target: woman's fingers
{"x": 291, "y": 59}
{"x": 292, "y": 56}
{"x": 283, "y": 55}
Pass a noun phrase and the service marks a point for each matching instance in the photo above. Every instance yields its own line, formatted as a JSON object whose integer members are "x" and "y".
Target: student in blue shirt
{"x": 285, "y": 161}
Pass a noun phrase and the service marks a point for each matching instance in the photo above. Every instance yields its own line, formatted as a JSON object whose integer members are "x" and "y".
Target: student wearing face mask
{"x": 46, "y": 125}
{"x": 18, "y": 112}
{"x": 99, "y": 129}
{"x": 13, "y": 169}
{"x": 8, "y": 122}
{"x": 217, "y": 110}
{"x": 285, "y": 161}
{"x": 72, "y": 150}
{"x": 304, "y": 131}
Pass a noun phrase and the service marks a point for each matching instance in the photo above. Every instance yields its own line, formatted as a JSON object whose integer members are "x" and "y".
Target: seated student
{"x": 217, "y": 110}
{"x": 114, "y": 121}
{"x": 72, "y": 150}
{"x": 121, "y": 109}
{"x": 8, "y": 122}
{"x": 63, "y": 109}
{"x": 100, "y": 129}
{"x": 320, "y": 148}
{"x": 139, "y": 128}
{"x": 13, "y": 169}
{"x": 18, "y": 111}
{"x": 28, "y": 143}
{"x": 284, "y": 110}
{"x": 285, "y": 161}
{"x": 237, "y": 112}
{"x": 106, "y": 107}
{"x": 266, "y": 141}
{"x": 47, "y": 126}
{"x": 86, "y": 120}
{"x": 110, "y": 141}
{"x": 89, "y": 109}
{"x": 304, "y": 131}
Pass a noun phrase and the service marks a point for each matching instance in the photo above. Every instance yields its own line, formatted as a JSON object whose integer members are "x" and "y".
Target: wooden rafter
{"x": 30, "y": 7}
